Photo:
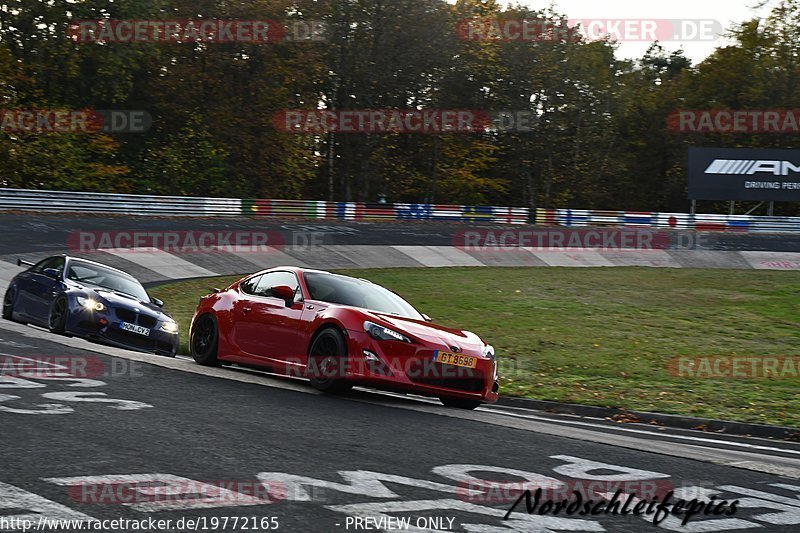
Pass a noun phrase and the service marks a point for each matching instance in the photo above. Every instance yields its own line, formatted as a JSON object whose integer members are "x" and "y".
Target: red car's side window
{"x": 262, "y": 285}
{"x": 249, "y": 286}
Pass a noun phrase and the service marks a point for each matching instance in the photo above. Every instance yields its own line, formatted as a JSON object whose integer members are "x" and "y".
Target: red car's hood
{"x": 432, "y": 333}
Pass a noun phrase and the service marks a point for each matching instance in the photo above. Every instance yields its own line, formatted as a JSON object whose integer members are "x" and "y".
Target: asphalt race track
{"x": 323, "y": 460}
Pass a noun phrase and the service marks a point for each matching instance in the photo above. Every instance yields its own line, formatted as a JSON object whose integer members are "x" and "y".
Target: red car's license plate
{"x": 456, "y": 360}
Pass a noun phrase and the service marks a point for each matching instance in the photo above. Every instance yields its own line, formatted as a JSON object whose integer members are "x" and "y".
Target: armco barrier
{"x": 636, "y": 219}
{"x": 182, "y": 206}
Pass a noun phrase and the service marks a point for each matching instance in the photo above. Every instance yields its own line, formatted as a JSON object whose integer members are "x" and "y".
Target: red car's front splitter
{"x": 411, "y": 368}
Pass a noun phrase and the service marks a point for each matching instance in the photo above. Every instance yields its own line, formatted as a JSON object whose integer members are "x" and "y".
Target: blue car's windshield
{"x": 343, "y": 290}
{"x": 106, "y": 278}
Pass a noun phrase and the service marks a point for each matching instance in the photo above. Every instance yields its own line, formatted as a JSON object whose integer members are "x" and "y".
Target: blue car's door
{"x": 37, "y": 291}
{"x": 24, "y": 286}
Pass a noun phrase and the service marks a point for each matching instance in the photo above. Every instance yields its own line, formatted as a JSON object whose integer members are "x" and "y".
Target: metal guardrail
{"x": 186, "y": 206}
{"x": 705, "y": 222}
{"x": 123, "y": 204}
{"x": 183, "y": 206}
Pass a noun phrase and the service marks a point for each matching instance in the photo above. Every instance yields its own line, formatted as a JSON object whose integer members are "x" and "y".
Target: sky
{"x": 723, "y": 11}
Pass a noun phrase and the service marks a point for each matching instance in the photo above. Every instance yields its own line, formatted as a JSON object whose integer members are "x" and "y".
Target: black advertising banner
{"x": 744, "y": 174}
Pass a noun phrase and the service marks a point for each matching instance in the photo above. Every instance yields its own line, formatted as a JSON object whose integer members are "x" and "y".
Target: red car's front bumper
{"x": 411, "y": 368}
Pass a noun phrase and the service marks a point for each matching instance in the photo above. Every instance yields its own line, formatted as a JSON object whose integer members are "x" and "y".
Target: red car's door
{"x": 263, "y": 325}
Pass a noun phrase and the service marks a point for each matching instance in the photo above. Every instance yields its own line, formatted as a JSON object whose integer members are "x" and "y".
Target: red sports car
{"x": 338, "y": 332}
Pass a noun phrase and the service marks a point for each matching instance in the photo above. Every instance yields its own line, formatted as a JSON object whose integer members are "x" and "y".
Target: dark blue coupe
{"x": 81, "y": 298}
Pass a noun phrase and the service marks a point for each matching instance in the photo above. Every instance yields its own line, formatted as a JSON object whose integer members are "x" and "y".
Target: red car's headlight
{"x": 488, "y": 351}
{"x": 382, "y": 333}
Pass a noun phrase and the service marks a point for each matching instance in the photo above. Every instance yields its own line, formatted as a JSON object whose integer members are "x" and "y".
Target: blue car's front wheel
{"x": 59, "y": 311}
{"x": 8, "y": 303}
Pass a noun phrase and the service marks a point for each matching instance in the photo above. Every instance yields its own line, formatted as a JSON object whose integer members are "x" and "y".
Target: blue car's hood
{"x": 116, "y": 299}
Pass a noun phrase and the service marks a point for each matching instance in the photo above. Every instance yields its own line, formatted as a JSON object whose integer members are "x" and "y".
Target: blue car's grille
{"x": 126, "y": 315}
{"x": 147, "y": 321}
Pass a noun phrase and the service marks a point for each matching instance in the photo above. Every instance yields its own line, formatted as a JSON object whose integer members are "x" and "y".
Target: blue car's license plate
{"x": 133, "y": 328}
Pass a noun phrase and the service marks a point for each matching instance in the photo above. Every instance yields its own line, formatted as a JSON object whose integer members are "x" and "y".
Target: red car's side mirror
{"x": 284, "y": 293}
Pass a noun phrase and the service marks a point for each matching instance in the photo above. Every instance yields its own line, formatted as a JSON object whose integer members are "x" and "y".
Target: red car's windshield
{"x": 342, "y": 290}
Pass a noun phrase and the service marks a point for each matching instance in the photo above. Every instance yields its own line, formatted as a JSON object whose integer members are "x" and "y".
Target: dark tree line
{"x": 600, "y": 140}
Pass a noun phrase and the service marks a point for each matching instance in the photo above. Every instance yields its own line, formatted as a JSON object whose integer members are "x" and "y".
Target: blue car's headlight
{"x": 382, "y": 333}
{"x": 90, "y": 304}
{"x": 169, "y": 327}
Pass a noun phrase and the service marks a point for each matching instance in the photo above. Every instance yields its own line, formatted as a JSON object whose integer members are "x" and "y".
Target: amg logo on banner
{"x": 744, "y": 174}
{"x": 750, "y": 167}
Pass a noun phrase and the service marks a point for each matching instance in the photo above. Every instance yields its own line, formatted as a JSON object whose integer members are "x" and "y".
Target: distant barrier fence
{"x": 185, "y": 206}
{"x": 635, "y": 219}
{"x": 182, "y": 206}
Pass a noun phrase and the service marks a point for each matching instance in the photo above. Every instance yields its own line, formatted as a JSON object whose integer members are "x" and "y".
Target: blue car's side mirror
{"x": 52, "y": 273}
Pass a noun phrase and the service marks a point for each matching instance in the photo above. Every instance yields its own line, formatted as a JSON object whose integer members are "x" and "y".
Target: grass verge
{"x": 606, "y": 337}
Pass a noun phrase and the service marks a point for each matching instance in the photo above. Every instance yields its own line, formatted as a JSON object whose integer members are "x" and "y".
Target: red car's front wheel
{"x": 459, "y": 403}
{"x": 205, "y": 341}
{"x": 326, "y": 362}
